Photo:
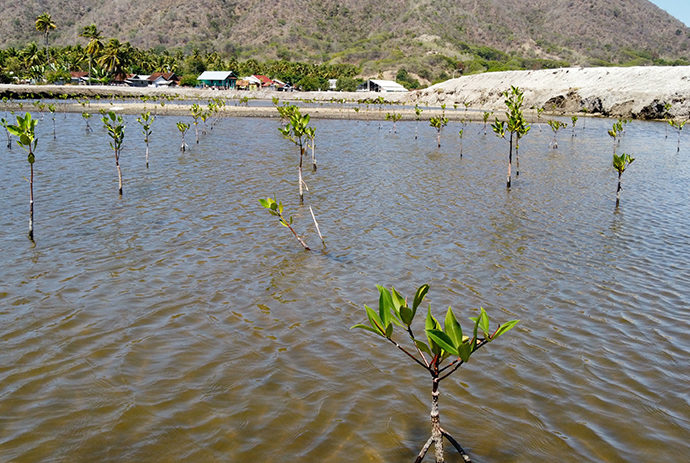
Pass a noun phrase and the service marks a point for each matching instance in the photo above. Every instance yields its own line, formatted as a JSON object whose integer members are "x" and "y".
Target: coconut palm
{"x": 95, "y": 44}
{"x": 115, "y": 57}
{"x": 45, "y": 24}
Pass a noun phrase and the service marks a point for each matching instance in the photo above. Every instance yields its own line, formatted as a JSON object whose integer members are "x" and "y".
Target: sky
{"x": 678, "y": 8}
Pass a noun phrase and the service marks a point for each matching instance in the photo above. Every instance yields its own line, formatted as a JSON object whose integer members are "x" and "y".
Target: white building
{"x": 376, "y": 85}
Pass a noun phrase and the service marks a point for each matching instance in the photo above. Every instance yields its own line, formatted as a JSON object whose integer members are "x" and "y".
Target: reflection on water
{"x": 181, "y": 323}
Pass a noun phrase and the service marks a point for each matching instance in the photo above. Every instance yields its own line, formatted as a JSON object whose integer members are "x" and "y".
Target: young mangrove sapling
{"x": 183, "y": 127}
{"x": 616, "y": 133}
{"x": 51, "y": 108}
{"x": 146, "y": 121}
{"x": 418, "y": 117}
{"x": 276, "y": 209}
{"x": 394, "y": 117}
{"x": 573, "y": 119}
{"x": 196, "y": 114}
{"x": 485, "y": 117}
{"x": 310, "y": 133}
{"x": 438, "y": 122}
{"x": 116, "y": 131}
{"x": 678, "y": 125}
{"x": 296, "y": 131}
{"x": 5, "y": 124}
{"x": 555, "y": 127}
{"x": 86, "y": 117}
{"x": 25, "y": 130}
{"x": 442, "y": 343}
{"x": 620, "y": 163}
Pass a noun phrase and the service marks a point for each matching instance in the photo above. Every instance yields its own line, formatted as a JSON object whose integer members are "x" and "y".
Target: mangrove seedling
{"x": 146, "y": 121}
{"x": 86, "y": 117}
{"x": 116, "y": 131}
{"x": 183, "y": 127}
{"x": 667, "y": 108}
{"x": 418, "y": 117}
{"x": 485, "y": 117}
{"x": 620, "y": 163}
{"x": 310, "y": 133}
{"x": 394, "y": 117}
{"x": 25, "y": 131}
{"x": 438, "y": 122}
{"x": 196, "y": 114}
{"x": 678, "y": 125}
{"x": 296, "y": 131}
{"x": 616, "y": 133}
{"x": 555, "y": 127}
{"x": 276, "y": 209}
{"x": 573, "y": 119}
{"x": 522, "y": 129}
{"x": 460, "y": 132}
{"x": 51, "y": 108}
{"x": 5, "y": 124}
{"x": 443, "y": 343}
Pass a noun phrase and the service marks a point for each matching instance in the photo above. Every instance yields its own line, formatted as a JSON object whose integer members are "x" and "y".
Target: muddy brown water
{"x": 183, "y": 323}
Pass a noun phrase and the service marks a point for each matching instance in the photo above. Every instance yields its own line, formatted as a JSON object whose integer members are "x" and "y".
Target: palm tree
{"x": 94, "y": 46}
{"x": 45, "y": 24}
{"x": 115, "y": 57}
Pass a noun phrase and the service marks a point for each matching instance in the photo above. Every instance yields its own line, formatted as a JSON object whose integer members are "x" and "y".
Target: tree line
{"x": 107, "y": 59}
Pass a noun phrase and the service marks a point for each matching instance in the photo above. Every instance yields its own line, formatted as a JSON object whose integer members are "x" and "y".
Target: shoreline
{"x": 634, "y": 93}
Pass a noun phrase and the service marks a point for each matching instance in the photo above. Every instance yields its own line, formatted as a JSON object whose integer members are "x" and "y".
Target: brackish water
{"x": 182, "y": 323}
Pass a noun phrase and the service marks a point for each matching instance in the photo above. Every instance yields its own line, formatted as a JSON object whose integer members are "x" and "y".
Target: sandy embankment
{"x": 634, "y": 92}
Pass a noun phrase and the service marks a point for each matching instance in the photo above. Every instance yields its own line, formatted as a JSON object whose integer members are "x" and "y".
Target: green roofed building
{"x": 220, "y": 79}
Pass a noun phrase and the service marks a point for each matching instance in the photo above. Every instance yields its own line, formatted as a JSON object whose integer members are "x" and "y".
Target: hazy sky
{"x": 678, "y": 8}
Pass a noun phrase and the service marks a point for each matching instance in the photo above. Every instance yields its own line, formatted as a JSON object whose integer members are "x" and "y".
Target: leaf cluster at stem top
{"x": 442, "y": 342}
{"x": 297, "y": 126}
{"x": 621, "y": 162}
{"x": 25, "y": 130}
{"x": 116, "y": 129}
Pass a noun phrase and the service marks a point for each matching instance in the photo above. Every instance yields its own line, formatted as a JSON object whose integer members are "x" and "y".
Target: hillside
{"x": 417, "y": 34}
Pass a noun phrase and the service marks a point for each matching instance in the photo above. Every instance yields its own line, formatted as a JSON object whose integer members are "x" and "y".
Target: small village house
{"x": 218, "y": 79}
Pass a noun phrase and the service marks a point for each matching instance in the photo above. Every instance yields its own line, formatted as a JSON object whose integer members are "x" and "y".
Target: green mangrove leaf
{"x": 453, "y": 328}
{"x": 366, "y": 327}
{"x": 443, "y": 340}
{"x": 422, "y": 346}
{"x": 419, "y": 296}
{"x": 506, "y": 327}
{"x": 374, "y": 319}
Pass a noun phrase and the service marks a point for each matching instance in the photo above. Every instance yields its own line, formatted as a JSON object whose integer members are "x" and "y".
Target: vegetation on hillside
{"x": 420, "y": 42}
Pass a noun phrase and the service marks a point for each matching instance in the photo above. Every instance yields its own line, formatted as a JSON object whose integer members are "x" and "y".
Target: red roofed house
{"x": 265, "y": 81}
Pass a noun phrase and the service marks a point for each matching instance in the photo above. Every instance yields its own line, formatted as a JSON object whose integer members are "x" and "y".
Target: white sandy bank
{"x": 640, "y": 91}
